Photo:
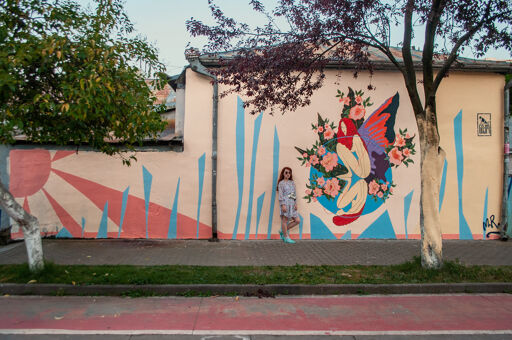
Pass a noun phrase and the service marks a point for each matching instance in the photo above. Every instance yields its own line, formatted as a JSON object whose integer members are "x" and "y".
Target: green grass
{"x": 409, "y": 272}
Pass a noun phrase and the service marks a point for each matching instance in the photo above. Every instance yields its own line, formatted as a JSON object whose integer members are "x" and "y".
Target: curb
{"x": 254, "y": 290}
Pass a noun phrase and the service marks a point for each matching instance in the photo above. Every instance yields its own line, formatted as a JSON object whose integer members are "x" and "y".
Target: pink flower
{"x": 399, "y": 141}
{"x": 380, "y": 194}
{"x": 395, "y": 156}
{"x": 320, "y": 129}
{"x": 329, "y": 161}
{"x": 332, "y": 187}
{"x": 345, "y": 101}
{"x": 317, "y": 192}
{"x": 329, "y": 133}
{"x": 359, "y": 100}
{"x": 313, "y": 159}
{"x": 357, "y": 112}
{"x": 320, "y": 181}
{"x": 406, "y": 152}
{"x": 373, "y": 187}
{"x": 384, "y": 187}
{"x": 407, "y": 136}
{"x": 304, "y": 155}
{"x": 314, "y": 199}
{"x": 308, "y": 164}
{"x": 391, "y": 190}
{"x": 321, "y": 150}
{"x": 308, "y": 192}
{"x": 326, "y": 126}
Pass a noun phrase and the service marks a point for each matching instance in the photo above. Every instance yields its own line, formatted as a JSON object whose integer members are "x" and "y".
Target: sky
{"x": 163, "y": 23}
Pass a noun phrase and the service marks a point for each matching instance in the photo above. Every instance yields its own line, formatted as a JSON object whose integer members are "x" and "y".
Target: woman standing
{"x": 287, "y": 203}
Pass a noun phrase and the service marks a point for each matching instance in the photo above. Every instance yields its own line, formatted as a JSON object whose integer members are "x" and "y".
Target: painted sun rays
{"x": 129, "y": 212}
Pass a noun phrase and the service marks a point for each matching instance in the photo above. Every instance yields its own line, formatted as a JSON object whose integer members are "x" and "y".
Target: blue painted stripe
{"x": 83, "y": 226}
{"x": 173, "y": 221}
{"x": 381, "y": 228}
{"x": 407, "y": 205}
{"x": 484, "y": 219}
{"x": 347, "y": 235}
{"x": 509, "y": 219}
{"x": 63, "y": 233}
{"x": 319, "y": 230}
{"x": 102, "y": 230}
{"x": 275, "y": 174}
{"x": 464, "y": 231}
{"x": 255, "y": 138}
{"x": 200, "y": 164}
{"x": 240, "y": 158}
{"x": 147, "y": 178}
{"x": 259, "y": 206}
{"x": 509, "y": 209}
{"x": 123, "y": 210}
{"x": 301, "y": 225}
{"x": 443, "y": 184}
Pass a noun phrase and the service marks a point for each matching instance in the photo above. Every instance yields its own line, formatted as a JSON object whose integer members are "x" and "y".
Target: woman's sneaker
{"x": 281, "y": 234}
{"x": 287, "y": 239}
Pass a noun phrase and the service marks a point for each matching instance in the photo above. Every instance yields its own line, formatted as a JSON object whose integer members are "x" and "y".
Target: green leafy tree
{"x": 72, "y": 76}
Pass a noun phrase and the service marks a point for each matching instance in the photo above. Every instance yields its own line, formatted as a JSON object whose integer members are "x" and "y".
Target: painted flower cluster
{"x": 380, "y": 190}
{"x": 323, "y": 157}
{"x": 319, "y": 186}
{"x": 354, "y": 105}
{"x": 401, "y": 150}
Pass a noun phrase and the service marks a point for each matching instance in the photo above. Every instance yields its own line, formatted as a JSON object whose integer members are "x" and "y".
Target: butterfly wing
{"x": 378, "y": 132}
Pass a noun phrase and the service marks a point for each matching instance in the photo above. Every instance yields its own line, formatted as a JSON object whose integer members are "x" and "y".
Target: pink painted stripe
{"x": 26, "y": 207}
{"x": 65, "y": 218}
{"x": 61, "y": 154}
{"x": 330, "y": 313}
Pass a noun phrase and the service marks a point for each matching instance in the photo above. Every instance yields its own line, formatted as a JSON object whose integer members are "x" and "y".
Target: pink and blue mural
{"x": 351, "y": 168}
{"x": 134, "y": 217}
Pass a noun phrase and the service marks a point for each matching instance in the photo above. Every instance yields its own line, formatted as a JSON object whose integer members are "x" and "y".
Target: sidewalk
{"x": 258, "y": 253}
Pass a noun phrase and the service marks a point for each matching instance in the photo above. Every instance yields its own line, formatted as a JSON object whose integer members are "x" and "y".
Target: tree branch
{"x": 409, "y": 73}
{"x": 453, "y": 54}
{"x": 428, "y": 49}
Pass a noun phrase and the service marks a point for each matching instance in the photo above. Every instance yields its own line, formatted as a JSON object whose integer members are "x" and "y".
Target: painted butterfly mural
{"x": 351, "y": 162}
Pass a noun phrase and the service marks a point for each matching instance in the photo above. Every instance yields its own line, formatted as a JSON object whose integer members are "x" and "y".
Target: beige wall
{"x": 82, "y": 183}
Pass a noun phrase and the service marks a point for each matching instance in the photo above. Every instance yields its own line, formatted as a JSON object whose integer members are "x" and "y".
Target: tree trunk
{"x": 432, "y": 161}
{"x": 29, "y": 225}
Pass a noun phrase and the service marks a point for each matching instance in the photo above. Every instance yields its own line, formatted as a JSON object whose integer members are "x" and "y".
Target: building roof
{"x": 380, "y": 61}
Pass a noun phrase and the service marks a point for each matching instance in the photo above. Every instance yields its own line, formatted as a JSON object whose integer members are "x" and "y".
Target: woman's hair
{"x": 281, "y": 176}
{"x": 346, "y": 137}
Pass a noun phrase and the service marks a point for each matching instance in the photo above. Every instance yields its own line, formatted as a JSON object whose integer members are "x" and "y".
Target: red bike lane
{"x": 392, "y": 314}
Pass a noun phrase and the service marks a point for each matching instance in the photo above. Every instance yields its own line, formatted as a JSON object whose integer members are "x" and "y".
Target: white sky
{"x": 163, "y": 23}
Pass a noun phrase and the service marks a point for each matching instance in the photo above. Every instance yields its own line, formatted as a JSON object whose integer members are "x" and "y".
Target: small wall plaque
{"x": 483, "y": 124}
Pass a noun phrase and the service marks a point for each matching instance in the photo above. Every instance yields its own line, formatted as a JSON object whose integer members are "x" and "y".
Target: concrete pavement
{"x": 258, "y": 253}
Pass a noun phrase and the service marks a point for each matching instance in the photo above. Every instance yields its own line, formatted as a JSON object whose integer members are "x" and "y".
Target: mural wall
{"x": 354, "y": 155}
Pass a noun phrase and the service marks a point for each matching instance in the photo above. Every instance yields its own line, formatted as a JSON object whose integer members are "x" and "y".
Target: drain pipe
{"x": 505, "y": 228}
{"x": 196, "y": 66}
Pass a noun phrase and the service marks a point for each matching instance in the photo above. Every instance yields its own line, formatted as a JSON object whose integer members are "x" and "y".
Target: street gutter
{"x": 269, "y": 290}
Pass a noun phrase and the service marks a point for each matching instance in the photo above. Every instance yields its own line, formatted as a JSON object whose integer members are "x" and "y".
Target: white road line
{"x": 247, "y": 332}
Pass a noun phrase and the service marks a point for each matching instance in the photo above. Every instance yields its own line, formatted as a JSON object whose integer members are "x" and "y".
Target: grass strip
{"x": 409, "y": 272}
